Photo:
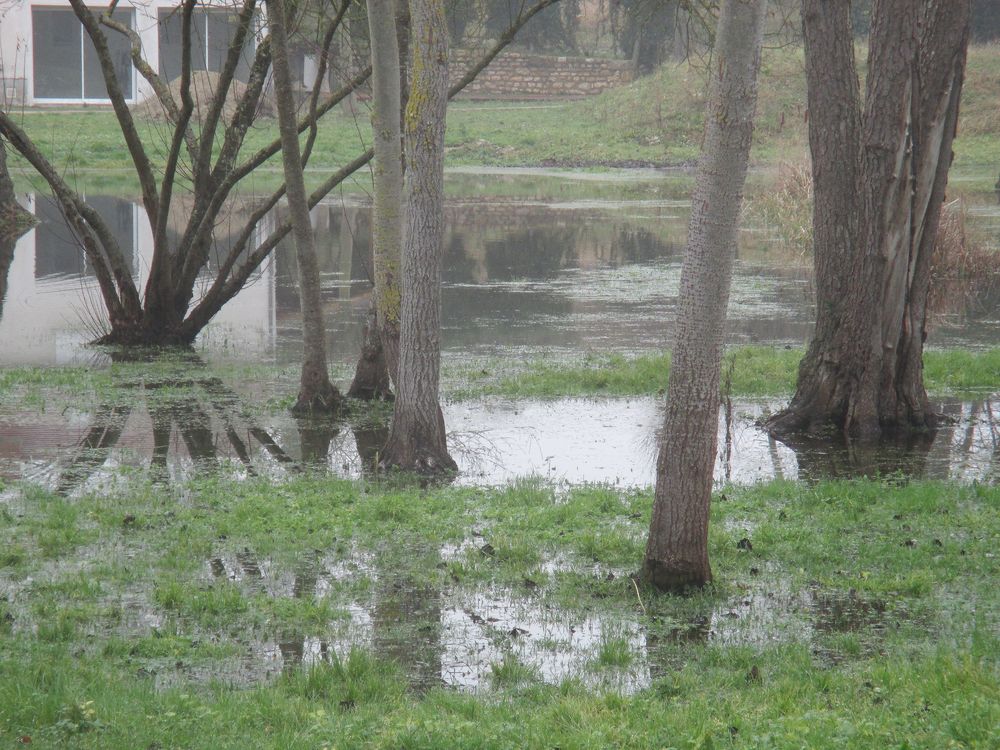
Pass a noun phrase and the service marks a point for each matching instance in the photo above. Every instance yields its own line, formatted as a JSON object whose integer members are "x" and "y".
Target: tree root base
{"x": 327, "y": 401}
{"x": 676, "y": 577}
{"x": 371, "y": 393}
{"x": 436, "y": 464}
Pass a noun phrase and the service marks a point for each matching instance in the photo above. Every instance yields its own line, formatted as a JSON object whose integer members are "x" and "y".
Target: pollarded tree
{"x": 677, "y": 549}
{"x": 204, "y": 160}
{"x": 417, "y": 439}
{"x": 879, "y": 174}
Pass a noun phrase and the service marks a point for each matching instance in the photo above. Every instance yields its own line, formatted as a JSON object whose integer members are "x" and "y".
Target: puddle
{"x": 469, "y": 638}
{"x": 206, "y": 429}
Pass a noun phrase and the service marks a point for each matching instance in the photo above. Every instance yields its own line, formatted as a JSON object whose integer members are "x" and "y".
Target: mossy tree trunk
{"x": 880, "y": 175}
{"x": 378, "y": 363}
{"x": 417, "y": 439}
{"x": 316, "y": 393}
{"x": 677, "y": 549}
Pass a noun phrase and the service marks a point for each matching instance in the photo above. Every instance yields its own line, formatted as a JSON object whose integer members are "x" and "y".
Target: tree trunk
{"x": 14, "y": 221}
{"x": 380, "y": 350}
{"x": 316, "y": 393}
{"x": 371, "y": 374}
{"x": 417, "y": 435}
{"x": 677, "y": 550}
{"x": 875, "y": 231}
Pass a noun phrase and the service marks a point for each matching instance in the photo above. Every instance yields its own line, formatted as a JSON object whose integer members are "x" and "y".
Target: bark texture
{"x": 378, "y": 363}
{"x": 677, "y": 550}
{"x": 417, "y": 436}
{"x": 14, "y": 220}
{"x": 879, "y": 176}
{"x": 380, "y": 349}
{"x": 316, "y": 393}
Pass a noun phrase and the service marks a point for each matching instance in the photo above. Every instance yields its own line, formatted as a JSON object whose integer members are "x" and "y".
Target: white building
{"x": 46, "y": 57}
{"x": 53, "y": 306}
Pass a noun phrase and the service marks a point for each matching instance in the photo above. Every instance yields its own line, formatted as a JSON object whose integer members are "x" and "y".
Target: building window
{"x": 65, "y": 60}
{"x": 211, "y": 34}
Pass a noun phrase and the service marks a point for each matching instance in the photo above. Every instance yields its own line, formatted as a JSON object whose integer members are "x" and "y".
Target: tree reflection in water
{"x": 196, "y": 410}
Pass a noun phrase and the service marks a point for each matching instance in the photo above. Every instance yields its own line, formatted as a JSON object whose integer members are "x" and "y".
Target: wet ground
{"x": 539, "y": 263}
{"x": 203, "y": 427}
{"x": 452, "y": 634}
{"x": 457, "y": 637}
{"x": 548, "y": 265}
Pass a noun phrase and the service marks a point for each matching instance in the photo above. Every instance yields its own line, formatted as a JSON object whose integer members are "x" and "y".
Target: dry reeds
{"x": 785, "y": 207}
{"x": 964, "y": 268}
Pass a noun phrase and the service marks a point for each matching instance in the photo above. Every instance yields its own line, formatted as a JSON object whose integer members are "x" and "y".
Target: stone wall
{"x": 518, "y": 75}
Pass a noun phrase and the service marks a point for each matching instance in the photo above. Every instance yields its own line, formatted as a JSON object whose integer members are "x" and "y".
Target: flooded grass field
{"x": 183, "y": 564}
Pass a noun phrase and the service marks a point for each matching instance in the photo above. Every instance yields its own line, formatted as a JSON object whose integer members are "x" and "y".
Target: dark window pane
{"x": 119, "y": 215}
{"x": 57, "y": 248}
{"x": 93, "y": 77}
{"x": 56, "y": 51}
{"x": 171, "y": 46}
{"x": 221, "y": 30}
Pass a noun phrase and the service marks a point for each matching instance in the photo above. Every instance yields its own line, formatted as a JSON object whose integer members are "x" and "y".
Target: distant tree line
{"x": 552, "y": 30}
{"x": 984, "y": 24}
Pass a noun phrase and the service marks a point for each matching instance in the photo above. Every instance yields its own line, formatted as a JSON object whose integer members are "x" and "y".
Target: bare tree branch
{"x": 140, "y": 158}
{"x": 203, "y": 177}
{"x": 224, "y": 287}
{"x": 505, "y": 39}
{"x": 71, "y": 205}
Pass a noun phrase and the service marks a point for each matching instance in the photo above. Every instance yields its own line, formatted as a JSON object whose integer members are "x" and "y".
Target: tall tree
{"x": 879, "y": 174}
{"x": 677, "y": 549}
{"x": 316, "y": 393}
{"x": 14, "y": 221}
{"x": 379, "y": 359}
{"x": 417, "y": 439}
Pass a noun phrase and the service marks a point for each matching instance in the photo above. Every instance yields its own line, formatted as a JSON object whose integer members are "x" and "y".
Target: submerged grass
{"x": 747, "y": 371}
{"x": 864, "y": 614}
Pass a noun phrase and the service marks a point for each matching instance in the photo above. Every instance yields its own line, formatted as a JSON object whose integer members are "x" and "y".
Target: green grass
{"x": 748, "y": 371}
{"x": 656, "y": 120}
{"x": 900, "y": 647}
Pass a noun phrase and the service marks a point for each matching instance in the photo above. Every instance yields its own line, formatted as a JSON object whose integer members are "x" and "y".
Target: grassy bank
{"x": 864, "y": 615}
{"x": 656, "y": 121}
{"x": 748, "y": 371}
